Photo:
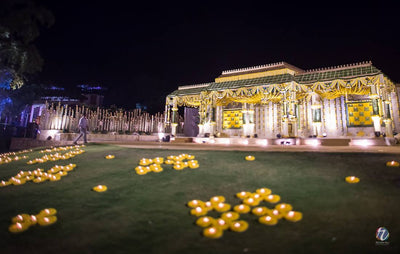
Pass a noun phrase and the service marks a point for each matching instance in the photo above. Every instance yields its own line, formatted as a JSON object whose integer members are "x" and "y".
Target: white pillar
{"x": 377, "y": 123}
{"x": 285, "y": 129}
{"x": 389, "y": 129}
{"x": 294, "y": 127}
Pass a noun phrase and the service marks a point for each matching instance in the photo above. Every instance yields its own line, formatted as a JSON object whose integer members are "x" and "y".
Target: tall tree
{"x": 20, "y": 23}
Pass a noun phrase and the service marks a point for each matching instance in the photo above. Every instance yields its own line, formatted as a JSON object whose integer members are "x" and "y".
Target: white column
{"x": 395, "y": 111}
{"x": 389, "y": 129}
{"x": 270, "y": 120}
{"x": 275, "y": 125}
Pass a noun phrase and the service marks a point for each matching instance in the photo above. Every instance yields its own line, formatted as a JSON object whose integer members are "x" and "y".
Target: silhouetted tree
{"x": 20, "y": 22}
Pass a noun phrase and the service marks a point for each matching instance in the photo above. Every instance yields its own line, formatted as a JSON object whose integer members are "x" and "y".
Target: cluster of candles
{"x": 22, "y": 222}
{"x": 13, "y": 156}
{"x": 214, "y": 227}
{"x": 56, "y": 156}
{"x": 179, "y": 162}
{"x": 61, "y": 148}
{"x": 39, "y": 176}
{"x": 392, "y": 164}
{"x": 110, "y": 157}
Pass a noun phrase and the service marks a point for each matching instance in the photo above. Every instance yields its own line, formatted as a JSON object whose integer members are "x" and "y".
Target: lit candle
{"x": 212, "y": 232}
{"x": 239, "y": 226}
{"x": 222, "y": 207}
{"x": 208, "y": 205}
{"x": 204, "y": 221}
{"x": 4, "y": 183}
{"x": 268, "y": 220}
{"x": 250, "y": 158}
{"x": 47, "y": 220}
{"x": 33, "y": 219}
{"x": 100, "y": 188}
{"x": 169, "y": 162}
{"x": 158, "y": 160}
{"x": 68, "y": 168}
{"x": 141, "y": 170}
{"x": 241, "y": 208}
{"x": 195, "y": 203}
{"x": 260, "y": 211}
{"x": 272, "y": 198}
{"x": 230, "y": 216}
{"x": 110, "y": 156}
{"x": 179, "y": 166}
{"x": 283, "y": 208}
{"x": 193, "y": 164}
{"x": 243, "y": 194}
{"x": 144, "y": 162}
{"x": 352, "y": 179}
{"x": 221, "y": 223}
{"x": 251, "y": 201}
{"x": 54, "y": 178}
{"x": 293, "y": 216}
{"x": 217, "y": 199}
{"x": 47, "y": 212}
{"x": 392, "y": 164}
{"x": 275, "y": 213}
{"x": 21, "y": 218}
{"x": 198, "y": 211}
{"x": 18, "y": 227}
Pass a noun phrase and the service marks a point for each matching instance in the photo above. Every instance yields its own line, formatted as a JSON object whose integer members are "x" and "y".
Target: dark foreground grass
{"x": 147, "y": 214}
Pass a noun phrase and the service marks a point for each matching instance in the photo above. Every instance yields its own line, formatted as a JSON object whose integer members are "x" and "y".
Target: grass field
{"x": 148, "y": 214}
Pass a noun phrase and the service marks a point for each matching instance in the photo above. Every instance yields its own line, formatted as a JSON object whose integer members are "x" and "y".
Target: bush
{"x": 104, "y": 132}
{"x": 120, "y": 132}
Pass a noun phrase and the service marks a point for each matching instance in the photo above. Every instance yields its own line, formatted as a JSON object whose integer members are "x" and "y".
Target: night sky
{"x": 143, "y": 52}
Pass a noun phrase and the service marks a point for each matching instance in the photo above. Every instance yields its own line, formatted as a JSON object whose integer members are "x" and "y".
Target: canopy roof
{"x": 310, "y": 77}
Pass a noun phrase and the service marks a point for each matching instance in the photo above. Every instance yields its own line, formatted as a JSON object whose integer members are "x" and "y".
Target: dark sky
{"x": 144, "y": 52}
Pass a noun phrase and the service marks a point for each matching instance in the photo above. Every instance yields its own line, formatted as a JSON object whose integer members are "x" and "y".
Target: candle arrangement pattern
{"x": 57, "y": 156}
{"x": 39, "y": 175}
{"x": 13, "y": 156}
{"x": 23, "y": 222}
{"x": 178, "y": 162}
{"x": 230, "y": 215}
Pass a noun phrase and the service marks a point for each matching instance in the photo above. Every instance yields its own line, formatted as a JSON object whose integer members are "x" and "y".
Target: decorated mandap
{"x": 282, "y": 100}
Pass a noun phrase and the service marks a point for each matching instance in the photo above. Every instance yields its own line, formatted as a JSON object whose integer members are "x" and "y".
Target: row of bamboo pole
{"x": 65, "y": 117}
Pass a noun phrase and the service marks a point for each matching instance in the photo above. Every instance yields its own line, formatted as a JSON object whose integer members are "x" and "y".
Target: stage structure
{"x": 281, "y": 100}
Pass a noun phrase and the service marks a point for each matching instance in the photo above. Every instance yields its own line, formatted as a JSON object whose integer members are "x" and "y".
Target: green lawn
{"x": 148, "y": 214}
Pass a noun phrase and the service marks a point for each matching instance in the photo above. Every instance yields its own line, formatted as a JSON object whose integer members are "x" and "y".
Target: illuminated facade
{"x": 281, "y": 100}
